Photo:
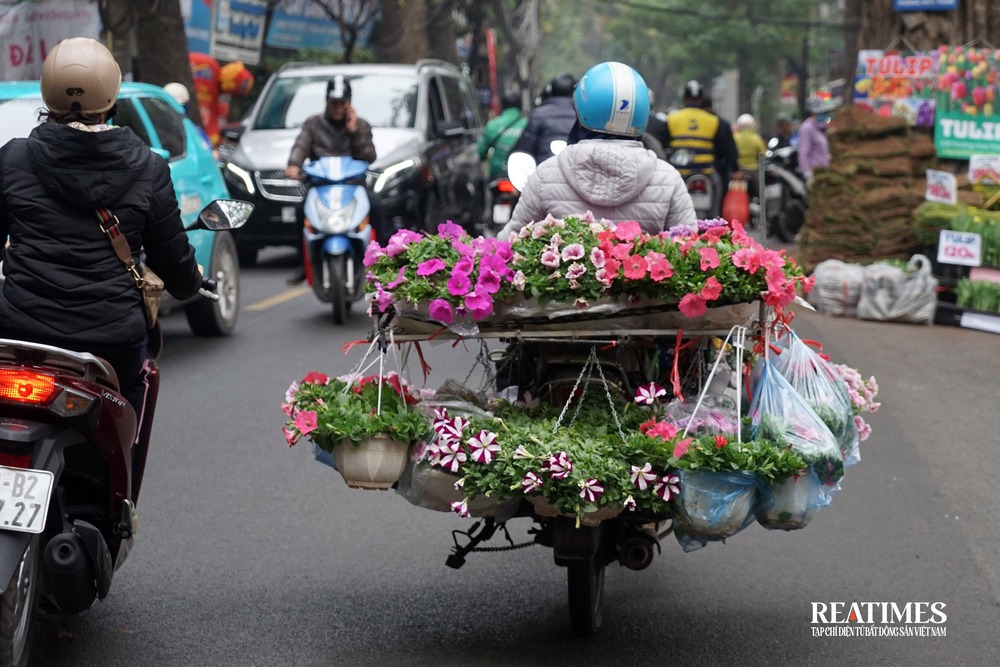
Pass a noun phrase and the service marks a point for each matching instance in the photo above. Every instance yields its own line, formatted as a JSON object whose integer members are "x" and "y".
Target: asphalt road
{"x": 251, "y": 553}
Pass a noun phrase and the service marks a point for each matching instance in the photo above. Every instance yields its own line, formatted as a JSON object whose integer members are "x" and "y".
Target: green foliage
{"x": 978, "y": 295}
{"x": 354, "y": 411}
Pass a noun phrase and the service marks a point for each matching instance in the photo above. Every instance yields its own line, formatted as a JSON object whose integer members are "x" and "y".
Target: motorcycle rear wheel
{"x": 586, "y": 589}
{"x": 18, "y": 606}
{"x": 787, "y": 225}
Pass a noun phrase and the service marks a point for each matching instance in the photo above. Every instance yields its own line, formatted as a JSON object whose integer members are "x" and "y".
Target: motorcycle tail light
{"x": 21, "y": 386}
{"x": 697, "y": 186}
{"x": 505, "y": 186}
{"x": 15, "y": 460}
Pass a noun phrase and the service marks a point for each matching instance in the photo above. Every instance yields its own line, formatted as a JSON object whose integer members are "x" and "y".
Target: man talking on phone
{"x": 336, "y": 132}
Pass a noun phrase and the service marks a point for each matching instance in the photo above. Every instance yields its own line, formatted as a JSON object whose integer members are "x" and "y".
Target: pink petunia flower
{"x": 627, "y": 231}
{"x": 575, "y": 271}
{"x": 603, "y": 277}
{"x": 441, "y": 311}
{"x": 711, "y": 290}
{"x": 597, "y": 258}
{"x": 519, "y": 281}
{"x": 664, "y": 429}
{"x": 305, "y": 422}
{"x": 621, "y": 251}
{"x": 400, "y": 279}
{"x": 372, "y": 253}
{"x": 459, "y": 283}
{"x": 461, "y": 508}
{"x": 400, "y": 241}
{"x": 550, "y": 258}
{"x": 692, "y": 305}
{"x": 488, "y": 282}
{"x": 291, "y": 437}
{"x": 660, "y": 270}
{"x": 635, "y": 267}
{"x": 572, "y": 252}
{"x": 430, "y": 267}
{"x": 709, "y": 258}
{"x": 680, "y": 449}
{"x": 449, "y": 230}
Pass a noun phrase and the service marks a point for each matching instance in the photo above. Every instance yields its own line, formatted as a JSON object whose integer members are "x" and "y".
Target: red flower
{"x": 315, "y": 378}
{"x": 721, "y": 441}
{"x": 709, "y": 258}
{"x": 692, "y": 305}
{"x": 646, "y": 426}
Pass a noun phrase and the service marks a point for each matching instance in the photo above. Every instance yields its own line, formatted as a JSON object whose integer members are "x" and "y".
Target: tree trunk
{"x": 441, "y": 31}
{"x": 401, "y": 36}
{"x": 164, "y": 54}
{"x": 880, "y": 24}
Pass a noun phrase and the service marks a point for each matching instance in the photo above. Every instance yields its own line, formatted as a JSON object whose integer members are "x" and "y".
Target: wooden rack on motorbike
{"x": 584, "y": 550}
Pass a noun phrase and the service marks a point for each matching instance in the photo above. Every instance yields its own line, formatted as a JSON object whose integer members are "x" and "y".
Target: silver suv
{"x": 425, "y": 118}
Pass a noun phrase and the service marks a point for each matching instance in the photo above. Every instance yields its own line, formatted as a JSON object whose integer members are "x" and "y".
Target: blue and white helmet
{"x": 613, "y": 99}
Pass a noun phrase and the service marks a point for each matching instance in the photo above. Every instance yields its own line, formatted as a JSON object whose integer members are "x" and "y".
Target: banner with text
{"x": 897, "y": 84}
{"x": 28, "y": 30}
{"x": 238, "y": 30}
{"x": 966, "y": 120}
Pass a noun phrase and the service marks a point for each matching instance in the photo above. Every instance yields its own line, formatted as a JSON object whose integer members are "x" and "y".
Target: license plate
{"x": 288, "y": 214}
{"x": 701, "y": 200}
{"x": 24, "y": 499}
{"x": 772, "y": 191}
{"x": 501, "y": 213}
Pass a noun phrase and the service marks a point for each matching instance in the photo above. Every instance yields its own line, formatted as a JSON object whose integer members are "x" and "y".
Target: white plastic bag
{"x": 890, "y": 294}
{"x": 837, "y": 288}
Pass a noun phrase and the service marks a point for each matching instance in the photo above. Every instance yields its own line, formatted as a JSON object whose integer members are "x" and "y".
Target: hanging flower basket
{"x": 545, "y": 508}
{"x": 795, "y": 502}
{"x": 715, "y": 505}
{"x": 433, "y": 488}
{"x": 373, "y": 463}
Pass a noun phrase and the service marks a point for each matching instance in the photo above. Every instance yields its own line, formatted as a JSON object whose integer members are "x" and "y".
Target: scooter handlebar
{"x": 209, "y": 289}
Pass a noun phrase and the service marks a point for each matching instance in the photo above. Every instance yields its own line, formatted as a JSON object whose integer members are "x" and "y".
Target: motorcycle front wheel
{"x": 338, "y": 299}
{"x": 18, "y": 606}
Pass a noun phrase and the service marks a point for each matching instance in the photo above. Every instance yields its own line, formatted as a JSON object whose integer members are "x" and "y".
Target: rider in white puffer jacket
{"x": 607, "y": 171}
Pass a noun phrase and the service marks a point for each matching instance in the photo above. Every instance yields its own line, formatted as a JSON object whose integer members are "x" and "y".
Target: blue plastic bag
{"x": 324, "y": 456}
{"x": 715, "y": 505}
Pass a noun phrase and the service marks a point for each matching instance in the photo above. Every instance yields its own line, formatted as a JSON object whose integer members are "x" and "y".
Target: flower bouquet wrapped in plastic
{"x": 816, "y": 380}
{"x": 778, "y": 413}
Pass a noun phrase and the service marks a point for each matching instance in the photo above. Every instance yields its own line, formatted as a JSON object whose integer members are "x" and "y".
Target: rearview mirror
{"x": 520, "y": 166}
{"x": 233, "y": 132}
{"x": 224, "y": 214}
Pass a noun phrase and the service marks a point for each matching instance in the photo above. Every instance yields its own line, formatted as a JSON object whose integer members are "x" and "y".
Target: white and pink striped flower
{"x": 531, "y": 483}
{"x": 483, "y": 447}
{"x": 559, "y": 465}
{"x": 643, "y": 477}
{"x": 591, "y": 490}
{"x": 668, "y": 487}
{"x": 452, "y": 455}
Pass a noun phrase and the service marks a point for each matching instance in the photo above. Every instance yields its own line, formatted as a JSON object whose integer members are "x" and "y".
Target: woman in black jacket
{"x": 64, "y": 285}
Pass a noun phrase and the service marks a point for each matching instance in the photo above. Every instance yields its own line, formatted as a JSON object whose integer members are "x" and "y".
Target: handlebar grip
{"x": 209, "y": 289}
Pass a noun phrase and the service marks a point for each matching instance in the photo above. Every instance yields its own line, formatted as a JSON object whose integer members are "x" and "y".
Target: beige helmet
{"x": 80, "y": 74}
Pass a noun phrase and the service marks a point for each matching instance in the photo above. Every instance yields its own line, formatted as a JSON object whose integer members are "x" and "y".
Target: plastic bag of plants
{"x": 815, "y": 380}
{"x": 778, "y": 413}
{"x": 713, "y": 506}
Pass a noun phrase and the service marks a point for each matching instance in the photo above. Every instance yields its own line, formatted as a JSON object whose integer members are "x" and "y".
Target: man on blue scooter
{"x": 336, "y": 132}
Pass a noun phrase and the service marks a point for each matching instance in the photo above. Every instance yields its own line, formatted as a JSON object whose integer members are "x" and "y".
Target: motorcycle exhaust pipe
{"x": 636, "y": 552}
{"x": 70, "y": 573}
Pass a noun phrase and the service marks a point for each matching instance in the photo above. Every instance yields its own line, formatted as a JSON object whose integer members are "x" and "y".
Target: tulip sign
{"x": 967, "y": 122}
{"x": 965, "y": 248}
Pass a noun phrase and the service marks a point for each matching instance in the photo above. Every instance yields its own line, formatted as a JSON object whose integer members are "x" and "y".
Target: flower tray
{"x": 545, "y": 508}
{"x": 529, "y": 316}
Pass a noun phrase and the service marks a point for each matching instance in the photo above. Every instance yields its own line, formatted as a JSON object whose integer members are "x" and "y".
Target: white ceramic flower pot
{"x": 375, "y": 463}
{"x": 712, "y": 507}
{"x": 794, "y": 504}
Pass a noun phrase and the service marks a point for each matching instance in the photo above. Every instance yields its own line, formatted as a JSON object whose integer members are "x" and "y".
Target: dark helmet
{"x": 693, "y": 90}
{"x": 338, "y": 88}
{"x": 562, "y": 85}
{"x": 511, "y": 98}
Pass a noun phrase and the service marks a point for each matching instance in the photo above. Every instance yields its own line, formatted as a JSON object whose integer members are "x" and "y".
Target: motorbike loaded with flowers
{"x": 632, "y": 386}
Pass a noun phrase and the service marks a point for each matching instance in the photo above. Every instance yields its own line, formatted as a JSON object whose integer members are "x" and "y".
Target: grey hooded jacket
{"x": 614, "y": 179}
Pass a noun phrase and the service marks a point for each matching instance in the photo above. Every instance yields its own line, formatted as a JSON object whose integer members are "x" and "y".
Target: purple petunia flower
{"x": 459, "y": 283}
{"x": 449, "y": 230}
{"x": 399, "y": 241}
{"x": 440, "y": 310}
{"x": 372, "y": 253}
{"x": 488, "y": 282}
{"x": 479, "y": 304}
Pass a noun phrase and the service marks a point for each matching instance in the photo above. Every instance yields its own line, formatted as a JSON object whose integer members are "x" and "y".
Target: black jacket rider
{"x": 64, "y": 284}
{"x": 546, "y": 123}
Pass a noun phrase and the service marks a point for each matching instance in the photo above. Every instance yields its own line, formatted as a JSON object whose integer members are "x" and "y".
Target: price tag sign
{"x": 965, "y": 248}
{"x": 941, "y": 187}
